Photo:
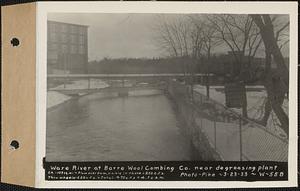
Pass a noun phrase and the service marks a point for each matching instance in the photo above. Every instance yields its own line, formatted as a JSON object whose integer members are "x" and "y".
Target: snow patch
{"x": 255, "y": 105}
{"x": 55, "y": 98}
{"x": 82, "y": 84}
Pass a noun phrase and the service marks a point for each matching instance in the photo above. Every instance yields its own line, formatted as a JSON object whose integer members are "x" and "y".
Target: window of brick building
{"x": 82, "y": 31}
{"x": 81, "y": 39}
{"x": 53, "y": 37}
{"x": 64, "y": 48}
{"x": 74, "y": 29}
{"x": 64, "y": 28}
{"x": 53, "y": 47}
{"x": 73, "y": 39}
{"x": 81, "y": 49}
{"x": 64, "y": 38}
{"x": 73, "y": 49}
{"x": 52, "y": 27}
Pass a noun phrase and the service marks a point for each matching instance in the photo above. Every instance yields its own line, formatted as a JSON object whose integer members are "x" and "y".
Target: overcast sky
{"x": 117, "y": 35}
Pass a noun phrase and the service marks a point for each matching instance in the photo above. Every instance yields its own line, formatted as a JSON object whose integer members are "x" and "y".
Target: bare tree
{"x": 209, "y": 42}
{"x": 175, "y": 35}
{"x": 241, "y": 36}
{"x": 165, "y": 39}
{"x": 275, "y": 81}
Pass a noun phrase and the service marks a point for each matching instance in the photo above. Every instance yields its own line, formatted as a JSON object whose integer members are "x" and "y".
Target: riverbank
{"x": 82, "y": 84}
{"x": 55, "y": 98}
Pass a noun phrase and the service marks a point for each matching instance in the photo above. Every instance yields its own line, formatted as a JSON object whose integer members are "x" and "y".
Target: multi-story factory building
{"x": 67, "y": 48}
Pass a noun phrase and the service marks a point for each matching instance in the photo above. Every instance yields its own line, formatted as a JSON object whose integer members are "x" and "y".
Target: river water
{"x": 111, "y": 128}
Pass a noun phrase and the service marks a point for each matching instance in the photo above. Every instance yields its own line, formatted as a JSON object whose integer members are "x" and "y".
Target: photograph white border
{"x": 43, "y": 8}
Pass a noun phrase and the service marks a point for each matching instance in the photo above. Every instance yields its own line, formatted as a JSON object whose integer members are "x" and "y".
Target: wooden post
{"x": 89, "y": 83}
{"x": 65, "y": 83}
{"x": 241, "y": 140}
{"x": 192, "y": 82}
{"x": 200, "y": 99}
{"x": 65, "y": 68}
{"x": 201, "y": 122}
{"x": 215, "y": 133}
{"x": 207, "y": 85}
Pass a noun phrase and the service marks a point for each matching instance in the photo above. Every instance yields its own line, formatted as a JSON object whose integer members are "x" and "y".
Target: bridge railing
{"x": 64, "y": 81}
{"x": 81, "y": 84}
{"x": 232, "y": 136}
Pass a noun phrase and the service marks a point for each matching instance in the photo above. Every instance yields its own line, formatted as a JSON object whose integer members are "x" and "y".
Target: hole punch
{"x": 14, "y": 145}
{"x": 15, "y": 42}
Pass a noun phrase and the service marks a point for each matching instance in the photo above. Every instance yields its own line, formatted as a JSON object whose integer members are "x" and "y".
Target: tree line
{"x": 219, "y": 65}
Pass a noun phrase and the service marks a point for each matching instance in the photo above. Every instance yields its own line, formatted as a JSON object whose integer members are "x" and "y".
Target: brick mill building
{"x": 67, "y": 48}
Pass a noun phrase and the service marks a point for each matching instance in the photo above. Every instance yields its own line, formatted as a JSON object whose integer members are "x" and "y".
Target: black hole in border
{"x": 15, "y": 42}
{"x": 14, "y": 144}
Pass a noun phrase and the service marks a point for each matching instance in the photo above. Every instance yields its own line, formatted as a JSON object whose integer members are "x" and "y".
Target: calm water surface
{"x": 97, "y": 128}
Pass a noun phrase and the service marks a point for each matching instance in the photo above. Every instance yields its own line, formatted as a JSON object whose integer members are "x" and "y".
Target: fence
{"x": 180, "y": 94}
{"x": 224, "y": 132}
